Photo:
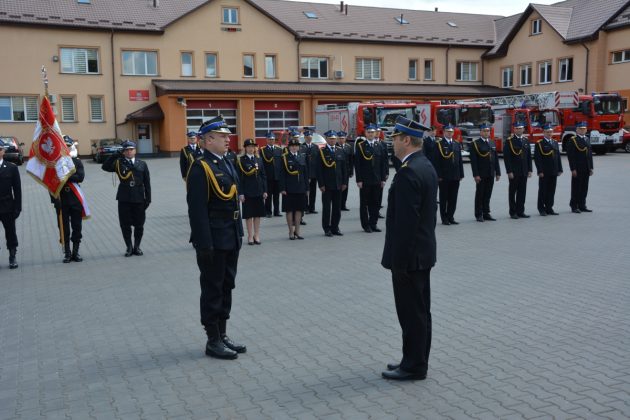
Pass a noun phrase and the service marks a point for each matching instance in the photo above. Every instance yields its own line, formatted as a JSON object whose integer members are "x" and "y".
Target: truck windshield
{"x": 386, "y": 117}
{"x": 474, "y": 116}
{"x": 540, "y": 118}
{"x": 607, "y": 105}
{"x": 446, "y": 116}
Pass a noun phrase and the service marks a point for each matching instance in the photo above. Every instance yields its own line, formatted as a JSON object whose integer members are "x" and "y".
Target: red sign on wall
{"x": 138, "y": 95}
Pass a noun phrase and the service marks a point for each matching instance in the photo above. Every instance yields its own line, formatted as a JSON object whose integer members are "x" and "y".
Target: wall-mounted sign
{"x": 138, "y": 95}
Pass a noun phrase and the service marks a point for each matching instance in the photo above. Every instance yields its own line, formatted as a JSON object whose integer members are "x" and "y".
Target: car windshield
{"x": 607, "y": 105}
{"x": 386, "y": 117}
{"x": 474, "y": 116}
{"x": 109, "y": 142}
{"x": 7, "y": 141}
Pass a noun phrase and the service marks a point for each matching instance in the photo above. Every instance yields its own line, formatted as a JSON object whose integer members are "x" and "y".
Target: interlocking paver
{"x": 531, "y": 317}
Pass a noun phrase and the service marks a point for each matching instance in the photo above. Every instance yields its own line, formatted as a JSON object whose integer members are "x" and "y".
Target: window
{"x": 187, "y": 63}
{"x": 230, "y": 15}
{"x": 428, "y": 69}
{"x": 270, "y": 67}
{"x": 367, "y": 69}
{"x": 211, "y": 65}
{"x": 248, "y": 65}
{"x": 526, "y": 74}
{"x": 139, "y": 63}
{"x": 544, "y": 72}
{"x": 265, "y": 121}
{"x": 536, "y": 26}
{"x": 68, "y": 113}
{"x": 314, "y": 67}
{"x": 565, "y": 69}
{"x": 466, "y": 71}
{"x": 413, "y": 70}
{"x": 620, "y": 56}
{"x": 84, "y": 1}
{"x": 79, "y": 60}
{"x": 96, "y": 109}
{"x": 507, "y": 77}
{"x": 310, "y": 15}
{"x": 18, "y": 108}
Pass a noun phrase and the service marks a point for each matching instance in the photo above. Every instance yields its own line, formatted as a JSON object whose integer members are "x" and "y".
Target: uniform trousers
{"x": 448, "y": 190}
{"x": 8, "y": 221}
{"x": 131, "y": 214}
{"x": 483, "y": 192}
{"x": 331, "y": 210}
{"x": 412, "y": 295}
{"x": 579, "y": 190}
{"x": 516, "y": 195}
{"x": 273, "y": 196}
{"x": 546, "y": 193}
{"x": 369, "y": 204}
{"x": 344, "y": 198}
{"x": 312, "y": 194}
{"x": 217, "y": 279}
{"x": 71, "y": 217}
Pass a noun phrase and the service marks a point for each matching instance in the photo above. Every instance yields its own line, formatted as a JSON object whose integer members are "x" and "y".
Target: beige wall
{"x": 617, "y": 76}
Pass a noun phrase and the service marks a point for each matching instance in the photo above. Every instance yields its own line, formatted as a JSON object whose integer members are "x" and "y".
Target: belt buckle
{"x": 236, "y": 213}
{"x": 132, "y": 183}
{"x": 66, "y": 189}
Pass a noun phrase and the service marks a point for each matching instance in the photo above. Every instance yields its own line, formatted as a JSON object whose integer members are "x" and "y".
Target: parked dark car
{"x": 12, "y": 149}
{"x": 104, "y": 148}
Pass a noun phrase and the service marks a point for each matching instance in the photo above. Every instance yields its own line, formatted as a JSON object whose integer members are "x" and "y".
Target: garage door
{"x": 275, "y": 115}
{"x": 197, "y": 112}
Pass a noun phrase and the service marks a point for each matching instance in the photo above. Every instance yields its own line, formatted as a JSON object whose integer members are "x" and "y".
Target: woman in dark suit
{"x": 253, "y": 190}
{"x": 293, "y": 183}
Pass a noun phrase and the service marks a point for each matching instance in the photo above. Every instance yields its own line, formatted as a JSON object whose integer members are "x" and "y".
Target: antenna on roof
{"x": 341, "y": 6}
{"x": 436, "y": 9}
{"x": 346, "y": 9}
{"x": 156, "y": 3}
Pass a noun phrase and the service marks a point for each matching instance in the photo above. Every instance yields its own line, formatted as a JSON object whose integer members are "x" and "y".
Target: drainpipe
{"x": 586, "y": 72}
{"x": 299, "y": 63}
{"x": 448, "y": 47}
{"x": 111, "y": 47}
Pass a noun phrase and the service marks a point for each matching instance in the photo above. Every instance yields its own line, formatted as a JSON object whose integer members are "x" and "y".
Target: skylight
{"x": 84, "y": 1}
{"x": 310, "y": 15}
{"x": 452, "y": 24}
{"x": 401, "y": 20}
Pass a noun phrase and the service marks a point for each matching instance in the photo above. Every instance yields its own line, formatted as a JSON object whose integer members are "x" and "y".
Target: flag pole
{"x": 45, "y": 80}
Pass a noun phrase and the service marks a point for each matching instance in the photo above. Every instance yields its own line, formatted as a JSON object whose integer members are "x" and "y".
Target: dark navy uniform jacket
{"x": 517, "y": 156}
{"x": 215, "y": 221}
{"x": 135, "y": 181}
{"x": 251, "y": 172}
{"x": 411, "y": 215}
{"x": 483, "y": 159}
{"x": 449, "y": 166}
{"x": 348, "y": 153}
{"x": 547, "y": 158}
{"x": 66, "y": 197}
{"x": 271, "y": 157}
{"x": 579, "y": 154}
{"x": 371, "y": 166}
{"x": 333, "y": 177}
{"x": 10, "y": 188}
{"x": 311, "y": 152}
{"x": 187, "y": 156}
{"x": 428, "y": 146}
{"x": 291, "y": 182}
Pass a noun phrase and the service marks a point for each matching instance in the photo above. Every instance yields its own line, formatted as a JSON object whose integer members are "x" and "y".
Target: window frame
{"x": 569, "y": 70}
{"x": 510, "y": 70}
{"x": 192, "y": 63}
{"x": 320, "y": 58}
{"x": 35, "y": 114}
{"x": 363, "y": 60}
{"x": 102, "y": 99}
{"x": 533, "y": 24}
{"x": 459, "y": 68}
{"x": 75, "y": 48}
{"x": 135, "y": 51}
{"x": 431, "y": 68}
{"x": 415, "y": 69}
{"x": 216, "y": 64}
{"x": 61, "y": 115}
{"x": 625, "y": 56}
{"x": 274, "y": 58}
{"x": 238, "y": 15}
{"x": 253, "y": 56}
{"x": 549, "y": 72}
{"x": 529, "y": 73}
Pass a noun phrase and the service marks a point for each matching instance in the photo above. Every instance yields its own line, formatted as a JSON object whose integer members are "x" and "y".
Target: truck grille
{"x": 612, "y": 125}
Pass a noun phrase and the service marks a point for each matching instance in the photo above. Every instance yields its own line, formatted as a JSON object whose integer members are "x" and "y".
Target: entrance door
{"x": 145, "y": 143}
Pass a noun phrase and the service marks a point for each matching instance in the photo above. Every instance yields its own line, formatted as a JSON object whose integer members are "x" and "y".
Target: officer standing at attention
{"x": 331, "y": 177}
{"x": 10, "y": 203}
{"x": 450, "y": 170}
{"x": 517, "y": 158}
{"x": 371, "y": 170}
{"x": 348, "y": 153}
{"x": 428, "y": 144}
{"x": 253, "y": 191}
{"x": 134, "y": 194}
{"x": 410, "y": 249}
{"x": 549, "y": 167}
{"x": 216, "y": 232}
{"x": 580, "y": 158}
{"x": 189, "y": 153}
{"x": 485, "y": 167}
{"x": 312, "y": 154}
{"x": 71, "y": 208}
{"x": 381, "y": 141}
{"x": 270, "y": 154}
{"x": 294, "y": 185}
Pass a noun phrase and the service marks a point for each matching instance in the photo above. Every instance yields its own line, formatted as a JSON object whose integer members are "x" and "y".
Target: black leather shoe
{"x": 239, "y": 348}
{"x": 217, "y": 349}
{"x": 586, "y": 210}
{"x": 542, "y": 213}
{"x": 552, "y": 213}
{"x": 479, "y": 219}
{"x": 375, "y": 229}
{"x": 513, "y": 216}
{"x": 129, "y": 251}
{"x": 76, "y": 257}
{"x": 393, "y": 366}
{"x": 268, "y": 216}
{"x": 380, "y": 216}
{"x": 337, "y": 233}
{"x": 401, "y": 375}
{"x": 488, "y": 217}
{"x": 367, "y": 230}
{"x": 345, "y": 209}
{"x": 299, "y": 237}
{"x": 302, "y": 222}
{"x": 138, "y": 252}
{"x": 523, "y": 216}
{"x": 328, "y": 233}
{"x": 453, "y": 222}
{"x": 575, "y": 211}
{"x": 67, "y": 258}
{"x": 313, "y": 212}
{"x": 446, "y": 222}
{"x": 277, "y": 215}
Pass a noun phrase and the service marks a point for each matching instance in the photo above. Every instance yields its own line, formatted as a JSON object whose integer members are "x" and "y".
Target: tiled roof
{"x": 135, "y": 15}
{"x": 164, "y": 87}
{"x": 623, "y": 19}
{"x": 503, "y": 27}
{"x": 376, "y": 24}
{"x": 557, "y": 17}
{"x": 590, "y": 15}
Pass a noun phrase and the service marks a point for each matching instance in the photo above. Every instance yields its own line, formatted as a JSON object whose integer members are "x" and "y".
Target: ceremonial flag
{"x": 49, "y": 159}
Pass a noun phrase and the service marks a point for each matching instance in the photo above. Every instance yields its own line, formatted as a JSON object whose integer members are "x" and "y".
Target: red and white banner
{"x": 49, "y": 159}
{"x": 78, "y": 192}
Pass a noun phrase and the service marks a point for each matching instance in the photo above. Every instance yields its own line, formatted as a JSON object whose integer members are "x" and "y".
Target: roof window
{"x": 310, "y": 15}
{"x": 400, "y": 19}
{"x": 451, "y": 24}
{"x": 84, "y": 1}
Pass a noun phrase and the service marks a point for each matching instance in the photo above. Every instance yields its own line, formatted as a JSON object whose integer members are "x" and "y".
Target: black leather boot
{"x": 12, "y": 263}
{"x": 75, "y": 252}
{"x": 215, "y": 346}
{"x": 129, "y": 251}
{"x": 67, "y": 256}
{"x": 136, "y": 247}
{"x": 239, "y": 348}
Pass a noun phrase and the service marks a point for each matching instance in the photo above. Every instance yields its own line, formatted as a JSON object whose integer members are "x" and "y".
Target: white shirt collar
{"x": 407, "y": 157}
{"x": 250, "y": 156}
{"x": 1, "y": 162}
{"x": 217, "y": 156}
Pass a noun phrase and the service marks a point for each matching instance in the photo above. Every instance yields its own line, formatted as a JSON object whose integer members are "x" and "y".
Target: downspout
{"x": 586, "y": 72}
{"x": 111, "y": 47}
{"x": 299, "y": 63}
{"x": 448, "y": 47}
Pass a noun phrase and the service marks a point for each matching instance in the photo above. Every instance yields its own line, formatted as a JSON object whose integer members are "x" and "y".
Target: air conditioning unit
{"x": 338, "y": 74}
{"x": 52, "y": 99}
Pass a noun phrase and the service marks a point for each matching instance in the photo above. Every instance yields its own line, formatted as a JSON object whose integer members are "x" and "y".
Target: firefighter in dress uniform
{"x": 485, "y": 169}
{"x": 517, "y": 158}
{"x": 450, "y": 171}
{"x": 312, "y": 154}
{"x": 10, "y": 203}
{"x": 216, "y": 234}
{"x": 342, "y": 137}
{"x": 548, "y": 167}
{"x": 331, "y": 178}
{"x": 189, "y": 153}
{"x": 271, "y": 154}
{"x": 294, "y": 182}
{"x": 253, "y": 191}
{"x": 580, "y": 156}
{"x": 133, "y": 196}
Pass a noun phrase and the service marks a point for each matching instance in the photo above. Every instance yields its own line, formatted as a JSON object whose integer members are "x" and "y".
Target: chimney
{"x": 156, "y": 3}
{"x": 346, "y": 9}
{"x": 341, "y": 6}
{"x": 436, "y": 9}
